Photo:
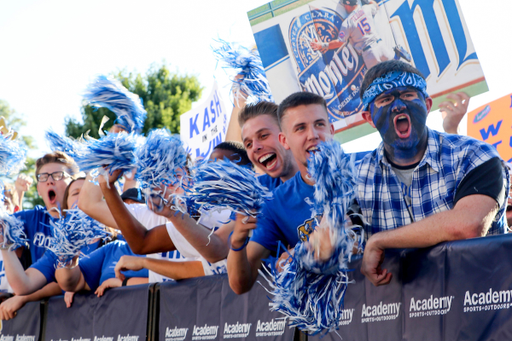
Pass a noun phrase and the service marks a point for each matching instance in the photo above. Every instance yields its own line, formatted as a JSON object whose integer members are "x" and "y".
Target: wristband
{"x": 125, "y": 281}
{"x": 241, "y": 247}
{"x": 325, "y": 45}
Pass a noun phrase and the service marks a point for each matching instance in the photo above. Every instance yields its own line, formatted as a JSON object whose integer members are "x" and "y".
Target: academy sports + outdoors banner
{"x": 492, "y": 123}
{"x": 25, "y": 326}
{"x": 119, "y": 315}
{"x": 205, "y": 126}
{"x": 431, "y": 34}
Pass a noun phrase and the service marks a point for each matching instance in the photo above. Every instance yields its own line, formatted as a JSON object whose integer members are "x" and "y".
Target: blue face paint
{"x": 402, "y": 125}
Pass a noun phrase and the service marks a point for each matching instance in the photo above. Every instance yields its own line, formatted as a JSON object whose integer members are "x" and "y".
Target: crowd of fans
{"x": 417, "y": 189}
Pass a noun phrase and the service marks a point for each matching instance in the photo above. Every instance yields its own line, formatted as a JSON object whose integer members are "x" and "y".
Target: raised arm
{"x": 91, "y": 202}
{"x": 141, "y": 240}
{"x": 243, "y": 264}
{"x": 71, "y": 278}
{"x": 22, "y": 282}
{"x": 471, "y": 217}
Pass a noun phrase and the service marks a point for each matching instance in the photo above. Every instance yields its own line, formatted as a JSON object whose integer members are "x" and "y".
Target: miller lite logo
{"x": 335, "y": 74}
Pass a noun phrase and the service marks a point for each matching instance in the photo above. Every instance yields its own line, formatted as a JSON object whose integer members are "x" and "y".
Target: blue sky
{"x": 51, "y": 49}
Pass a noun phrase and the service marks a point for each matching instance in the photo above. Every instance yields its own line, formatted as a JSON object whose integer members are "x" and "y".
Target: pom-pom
{"x": 308, "y": 290}
{"x": 111, "y": 94}
{"x": 158, "y": 160}
{"x": 12, "y": 155}
{"x": 12, "y": 232}
{"x": 253, "y": 82}
{"x": 71, "y": 233}
{"x": 114, "y": 151}
{"x": 226, "y": 185}
{"x": 64, "y": 144}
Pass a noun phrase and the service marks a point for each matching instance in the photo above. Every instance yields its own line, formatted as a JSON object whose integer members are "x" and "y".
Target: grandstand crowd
{"x": 419, "y": 188}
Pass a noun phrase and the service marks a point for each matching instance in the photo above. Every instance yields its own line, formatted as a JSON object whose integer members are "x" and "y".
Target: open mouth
{"x": 402, "y": 125}
{"x": 313, "y": 149}
{"x": 509, "y": 208}
{"x": 52, "y": 196}
{"x": 268, "y": 160}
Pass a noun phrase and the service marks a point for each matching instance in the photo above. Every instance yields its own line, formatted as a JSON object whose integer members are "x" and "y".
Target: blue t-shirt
{"x": 46, "y": 264}
{"x": 99, "y": 265}
{"x": 287, "y": 217}
{"x": 269, "y": 182}
{"x": 37, "y": 227}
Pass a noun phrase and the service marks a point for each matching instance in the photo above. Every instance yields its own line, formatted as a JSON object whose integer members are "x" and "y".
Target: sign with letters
{"x": 318, "y": 46}
{"x": 492, "y": 123}
{"x": 204, "y": 127}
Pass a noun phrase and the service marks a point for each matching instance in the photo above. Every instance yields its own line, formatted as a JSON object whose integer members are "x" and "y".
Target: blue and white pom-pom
{"x": 110, "y": 93}
{"x": 12, "y": 155}
{"x": 159, "y": 160}
{"x": 64, "y": 144}
{"x": 12, "y": 231}
{"x": 253, "y": 82}
{"x": 226, "y": 185}
{"x": 111, "y": 152}
{"x": 71, "y": 233}
{"x": 310, "y": 291}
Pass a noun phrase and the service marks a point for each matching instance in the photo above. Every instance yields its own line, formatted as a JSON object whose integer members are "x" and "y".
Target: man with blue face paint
{"x": 421, "y": 187}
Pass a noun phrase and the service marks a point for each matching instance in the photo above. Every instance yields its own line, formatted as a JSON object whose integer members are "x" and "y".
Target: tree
{"x": 165, "y": 95}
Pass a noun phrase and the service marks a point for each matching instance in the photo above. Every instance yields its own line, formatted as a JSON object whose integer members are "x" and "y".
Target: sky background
{"x": 50, "y": 50}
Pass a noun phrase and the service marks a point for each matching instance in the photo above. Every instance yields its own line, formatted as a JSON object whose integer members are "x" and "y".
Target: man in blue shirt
{"x": 287, "y": 218}
{"x": 421, "y": 187}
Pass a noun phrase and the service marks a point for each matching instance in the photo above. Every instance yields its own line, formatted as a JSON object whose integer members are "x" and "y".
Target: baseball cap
{"x": 134, "y": 194}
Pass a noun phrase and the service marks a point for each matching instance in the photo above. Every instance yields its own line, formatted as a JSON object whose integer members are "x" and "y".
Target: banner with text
{"x": 25, "y": 326}
{"x": 204, "y": 127}
{"x": 492, "y": 123}
{"x": 325, "y": 47}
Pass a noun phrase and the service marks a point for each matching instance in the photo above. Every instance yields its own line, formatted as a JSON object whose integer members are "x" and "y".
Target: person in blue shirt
{"x": 54, "y": 171}
{"x": 304, "y": 123}
{"x": 421, "y": 187}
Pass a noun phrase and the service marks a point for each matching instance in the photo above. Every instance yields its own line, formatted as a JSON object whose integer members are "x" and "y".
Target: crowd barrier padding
{"x": 455, "y": 291}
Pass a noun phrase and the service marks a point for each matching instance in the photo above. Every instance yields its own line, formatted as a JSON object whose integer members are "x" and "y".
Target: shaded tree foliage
{"x": 165, "y": 95}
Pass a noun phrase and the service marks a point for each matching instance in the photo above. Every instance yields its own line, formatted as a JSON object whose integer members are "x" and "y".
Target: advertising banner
{"x": 204, "y": 127}
{"x": 492, "y": 123}
{"x": 25, "y": 326}
{"x": 326, "y": 47}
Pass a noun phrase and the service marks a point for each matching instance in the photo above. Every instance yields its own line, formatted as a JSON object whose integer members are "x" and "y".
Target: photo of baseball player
{"x": 358, "y": 28}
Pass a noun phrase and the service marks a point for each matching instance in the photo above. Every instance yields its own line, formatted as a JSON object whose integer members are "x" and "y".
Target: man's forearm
{"x": 174, "y": 269}
{"x": 241, "y": 272}
{"x": 20, "y": 281}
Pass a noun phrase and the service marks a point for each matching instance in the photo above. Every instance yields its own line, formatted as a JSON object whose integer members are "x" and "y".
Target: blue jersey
{"x": 269, "y": 182}
{"x": 36, "y": 223}
{"x": 46, "y": 264}
{"x": 99, "y": 265}
{"x": 287, "y": 217}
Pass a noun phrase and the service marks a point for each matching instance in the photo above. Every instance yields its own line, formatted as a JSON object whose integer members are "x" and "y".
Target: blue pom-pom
{"x": 311, "y": 291}
{"x": 111, "y": 152}
{"x": 12, "y": 155}
{"x": 111, "y": 94}
{"x": 64, "y": 144}
{"x": 72, "y": 232}
{"x": 12, "y": 231}
{"x": 247, "y": 63}
{"x": 226, "y": 185}
{"x": 158, "y": 159}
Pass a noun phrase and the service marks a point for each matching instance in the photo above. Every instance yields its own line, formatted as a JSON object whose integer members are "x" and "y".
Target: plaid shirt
{"x": 447, "y": 160}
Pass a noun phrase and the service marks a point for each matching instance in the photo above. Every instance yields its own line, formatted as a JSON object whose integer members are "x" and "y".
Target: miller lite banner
{"x": 326, "y": 47}
{"x": 204, "y": 127}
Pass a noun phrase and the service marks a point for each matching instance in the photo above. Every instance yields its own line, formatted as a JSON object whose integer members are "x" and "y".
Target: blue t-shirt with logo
{"x": 287, "y": 217}
{"x": 46, "y": 264}
{"x": 36, "y": 223}
{"x": 99, "y": 266}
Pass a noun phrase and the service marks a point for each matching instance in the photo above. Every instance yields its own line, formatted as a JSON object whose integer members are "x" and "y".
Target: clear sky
{"x": 50, "y": 50}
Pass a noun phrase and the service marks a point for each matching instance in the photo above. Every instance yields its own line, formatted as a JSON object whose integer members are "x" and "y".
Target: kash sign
{"x": 204, "y": 127}
{"x": 492, "y": 123}
{"x": 325, "y": 47}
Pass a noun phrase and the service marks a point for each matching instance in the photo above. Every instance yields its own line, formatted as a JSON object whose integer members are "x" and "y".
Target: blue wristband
{"x": 241, "y": 247}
